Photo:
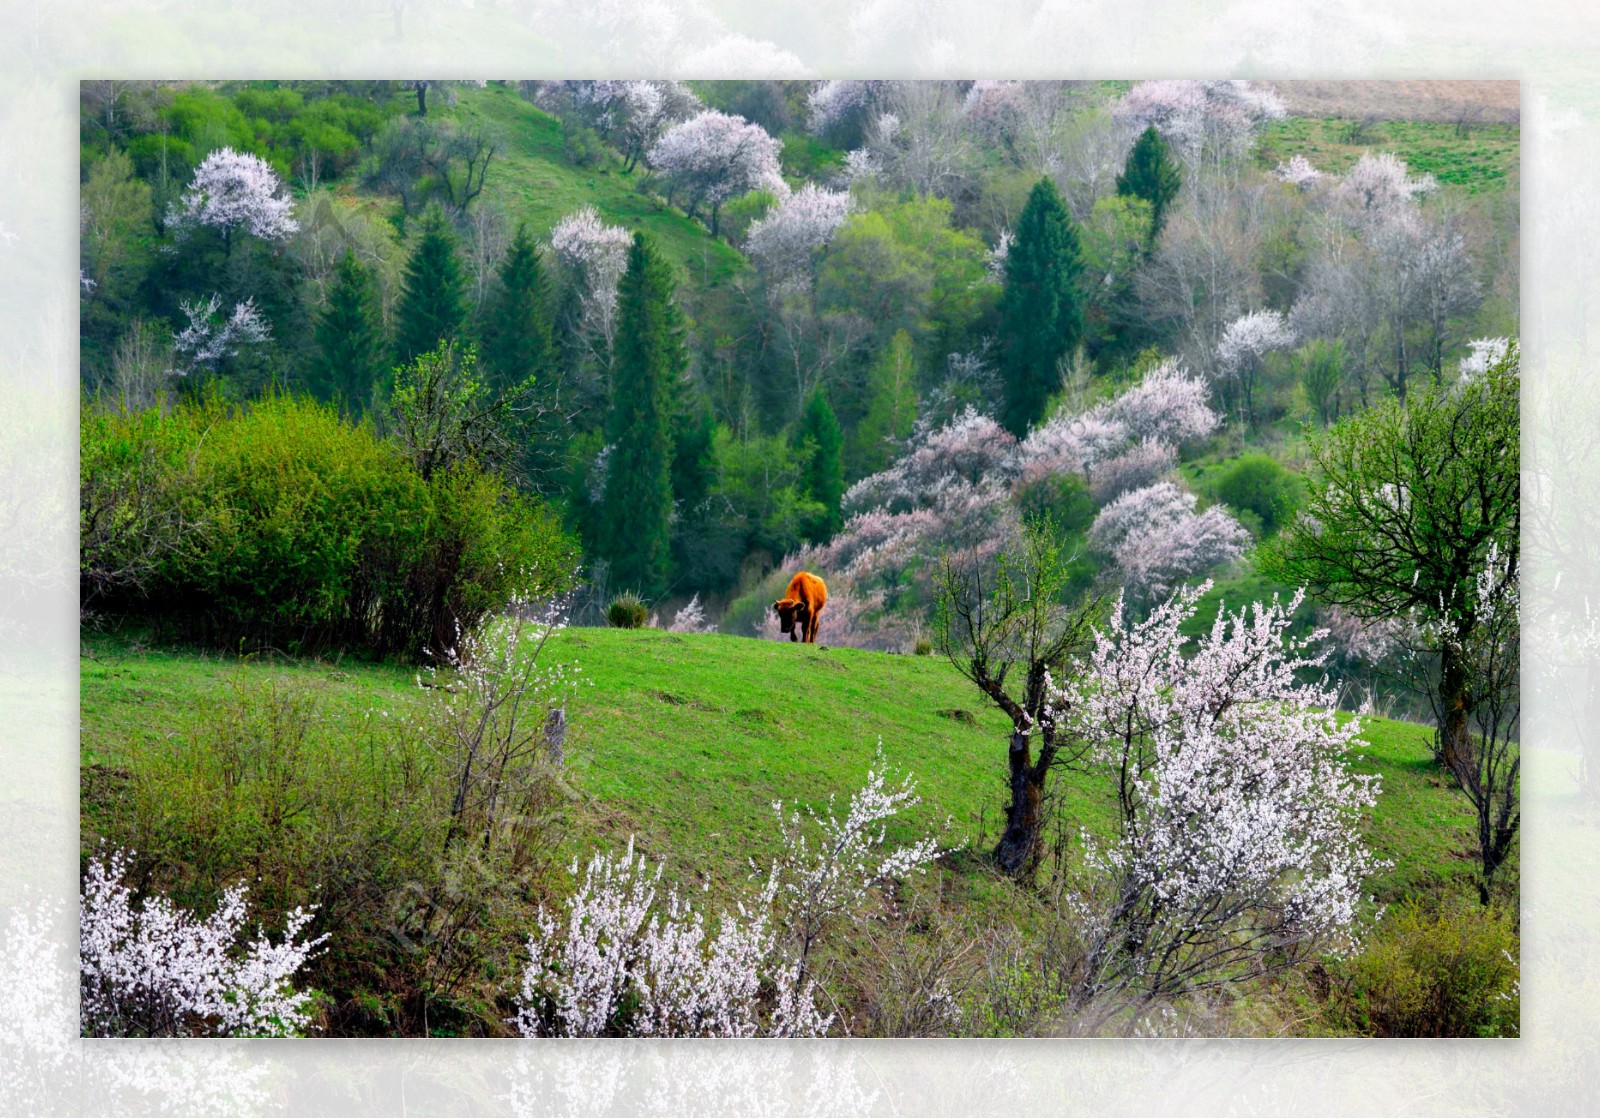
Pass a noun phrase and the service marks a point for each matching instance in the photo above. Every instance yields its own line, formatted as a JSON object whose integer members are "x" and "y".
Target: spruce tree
{"x": 350, "y": 342}
{"x": 648, "y": 360}
{"x": 1041, "y": 312}
{"x": 431, "y": 302}
{"x": 516, "y": 342}
{"x": 821, "y": 435}
{"x": 1151, "y": 174}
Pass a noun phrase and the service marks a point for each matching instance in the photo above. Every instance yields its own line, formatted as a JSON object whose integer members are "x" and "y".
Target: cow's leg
{"x": 812, "y": 623}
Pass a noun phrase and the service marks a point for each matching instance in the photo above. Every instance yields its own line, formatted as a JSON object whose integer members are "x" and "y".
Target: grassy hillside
{"x": 685, "y": 741}
{"x": 534, "y": 179}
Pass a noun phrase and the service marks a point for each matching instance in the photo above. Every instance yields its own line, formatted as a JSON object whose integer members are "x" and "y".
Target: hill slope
{"x": 684, "y": 742}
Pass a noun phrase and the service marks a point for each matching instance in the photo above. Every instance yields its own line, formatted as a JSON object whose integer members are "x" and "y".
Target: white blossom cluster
{"x": 691, "y": 618}
{"x": 1141, "y": 465}
{"x": 716, "y": 156}
{"x": 971, "y": 447}
{"x": 205, "y": 344}
{"x": 1380, "y": 188}
{"x": 1158, "y": 540}
{"x": 631, "y": 957}
{"x": 1240, "y": 835}
{"x": 1193, "y": 116}
{"x": 786, "y": 242}
{"x": 157, "y": 970}
{"x": 1298, "y": 172}
{"x": 1251, "y": 337}
{"x": 236, "y": 191}
{"x": 594, "y": 256}
{"x": 831, "y": 102}
{"x": 620, "y": 963}
{"x": 1485, "y": 353}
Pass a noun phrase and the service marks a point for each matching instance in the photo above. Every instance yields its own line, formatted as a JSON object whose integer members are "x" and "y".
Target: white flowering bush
{"x": 1239, "y": 845}
{"x": 592, "y": 256}
{"x": 631, "y": 957}
{"x": 1194, "y": 116}
{"x": 205, "y": 343}
{"x": 1380, "y": 187}
{"x": 691, "y": 618}
{"x": 236, "y": 192}
{"x": 1483, "y": 353}
{"x": 155, "y": 969}
{"x": 1299, "y": 173}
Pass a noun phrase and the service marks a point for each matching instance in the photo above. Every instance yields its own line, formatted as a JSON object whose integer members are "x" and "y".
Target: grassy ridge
{"x": 1486, "y": 159}
{"x": 534, "y": 180}
{"x": 684, "y": 742}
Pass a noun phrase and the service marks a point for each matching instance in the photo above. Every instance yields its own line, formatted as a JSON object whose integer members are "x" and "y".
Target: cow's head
{"x": 792, "y": 614}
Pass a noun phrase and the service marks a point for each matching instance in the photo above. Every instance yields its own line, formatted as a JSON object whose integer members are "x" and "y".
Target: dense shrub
{"x": 1447, "y": 973}
{"x": 627, "y": 611}
{"x": 1259, "y": 484}
{"x": 290, "y": 527}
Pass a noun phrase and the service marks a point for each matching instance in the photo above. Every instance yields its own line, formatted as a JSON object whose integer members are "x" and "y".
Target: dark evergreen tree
{"x": 1041, "y": 315}
{"x": 1151, "y": 174}
{"x": 351, "y": 348}
{"x": 823, "y": 443}
{"x": 516, "y": 342}
{"x": 431, "y": 303}
{"x": 649, "y": 359}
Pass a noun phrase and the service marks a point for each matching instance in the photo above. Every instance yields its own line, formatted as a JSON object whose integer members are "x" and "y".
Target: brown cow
{"x": 800, "y": 606}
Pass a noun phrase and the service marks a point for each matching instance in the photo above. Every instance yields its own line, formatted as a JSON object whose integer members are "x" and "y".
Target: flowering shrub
{"x": 691, "y": 618}
{"x": 713, "y": 157}
{"x": 1298, "y": 172}
{"x": 970, "y": 448}
{"x": 593, "y": 256}
{"x": 1158, "y": 540}
{"x": 157, "y": 970}
{"x": 632, "y": 959}
{"x": 205, "y": 344}
{"x": 1141, "y": 465}
{"x": 1239, "y": 847}
{"x": 1379, "y": 187}
{"x": 1485, "y": 352}
{"x": 1169, "y": 405}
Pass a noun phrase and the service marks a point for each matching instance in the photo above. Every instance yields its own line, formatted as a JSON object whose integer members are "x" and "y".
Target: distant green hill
{"x": 684, "y": 742}
{"x": 534, "y": 179}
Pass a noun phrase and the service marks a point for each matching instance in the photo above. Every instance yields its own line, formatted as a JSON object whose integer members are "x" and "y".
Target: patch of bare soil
{"x": 1475, "y": 102}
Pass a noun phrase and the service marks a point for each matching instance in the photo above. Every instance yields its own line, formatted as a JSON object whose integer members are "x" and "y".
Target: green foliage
{"x": 891, "y": 408}
{"x": 1041, "y": 314}
{"x": 626, "y": 611}
{"x": 1115, "y": 241}
{"x": 350, "y": 342}
{"x": 1450, "y": 972}
{"x": 650, "y": 359}
{"x": 1151, "y": 173}
{"x": 900, "y": 265}
{"x": 1319, "y": 365}
{"x": 1259, "y": 484}
{"x": 517, "y": 344}
{"x": 1063, "y": 499}
{"x": 822, "y": 444}
{"x": 763, "y": 489}
{"x": 279, "y": 523}
{"x": 431, "y": 308}
{"x": 739, "y": 214}
{"x": 442, "y": 414}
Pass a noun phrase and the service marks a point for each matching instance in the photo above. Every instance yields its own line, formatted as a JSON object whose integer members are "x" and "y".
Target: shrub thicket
{"x": 1258, "y": 483}
{"x": 278, "y": 523}
{"x": 627, "y": 611}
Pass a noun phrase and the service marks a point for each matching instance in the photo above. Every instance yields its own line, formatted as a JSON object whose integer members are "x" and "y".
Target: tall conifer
{"x": 649, "y": 360}
{"x": 516, "y": 341}
{"x": 824, "y": 474}
{"x": 1041, "y": 311}
{"x": 431, "y": 303}
{"x": 1150, "y": 173}
{"x": 350, "y": 342}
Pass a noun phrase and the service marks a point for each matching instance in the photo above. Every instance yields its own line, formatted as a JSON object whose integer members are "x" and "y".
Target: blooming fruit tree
{"x": 1238, "y": 846}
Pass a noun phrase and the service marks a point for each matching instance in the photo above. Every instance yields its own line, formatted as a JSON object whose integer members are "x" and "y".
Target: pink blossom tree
{"x": 1158, "y": 540}
{"x": 154, "y": 969}
{"x": 1239, "y": 846}
{"x": 713, "y": 157}
{"x": 1169, "y": 405}
{"x": 235, "y": 191}
{"x": 1299, "y": 173}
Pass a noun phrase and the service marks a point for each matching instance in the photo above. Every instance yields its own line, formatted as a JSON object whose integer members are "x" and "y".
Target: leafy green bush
{"x": 627, "y": 611}
{"x": 1447, "y": 973}
{"x": 281, "y": 524}
{"x": 1259, "y": 484}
